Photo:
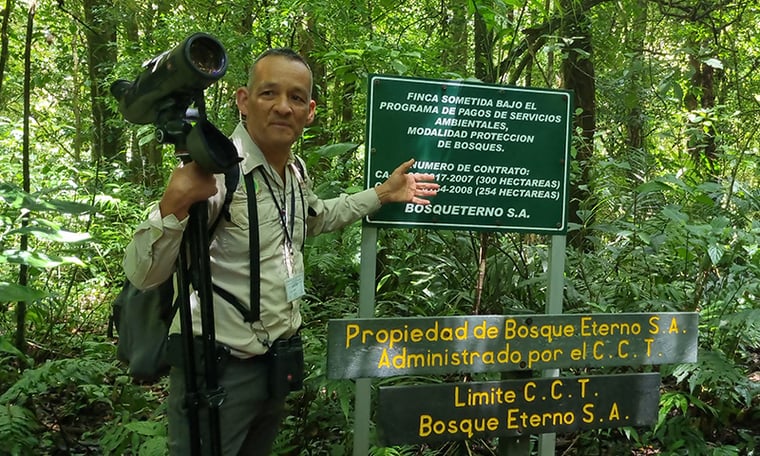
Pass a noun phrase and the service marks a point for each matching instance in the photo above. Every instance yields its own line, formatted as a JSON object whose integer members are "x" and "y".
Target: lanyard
{"x": 281, "y": 208}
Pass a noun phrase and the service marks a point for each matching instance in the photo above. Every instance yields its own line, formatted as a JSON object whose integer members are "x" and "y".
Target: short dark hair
{"x": 288, "y": 53}
{"x": 283, "y": 52}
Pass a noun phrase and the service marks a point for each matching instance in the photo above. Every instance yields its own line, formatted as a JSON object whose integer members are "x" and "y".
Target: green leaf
{"x": 652, "y": 186}
{"x": 399, "y": 67}
{"x": 19, "y": 199}
{"x": 145, "y": 428}
{"x": 675, "y": 214}
{"x": 336, "y": 150}
{"x": 716, "y": 253}
{"x": 11, "y": 292}
{"x": 715, "y": 63}
{"x": 154, "y": 446}
{"x": 7, "y": 347}
{"x": 38, "y": 260}
{"x": 52, "y": 234}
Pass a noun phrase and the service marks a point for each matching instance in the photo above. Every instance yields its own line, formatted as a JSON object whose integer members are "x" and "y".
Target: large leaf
{"x": 52, "y": 234}
{"x": 38, "y": 259}
{"x": 675, "y": 214}
{"x": 19, "y": 199}
{"x": 11, "y": 292}
{"x": 336, "y": 150}
{"x": 715, "y": 252}
{"x": 652, "y": 186}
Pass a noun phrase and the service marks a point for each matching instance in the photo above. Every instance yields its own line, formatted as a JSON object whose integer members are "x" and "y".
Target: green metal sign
{"x": 499, "y": 153}
{"x": 385, "y": 347}
{"x": 475, "y": 410}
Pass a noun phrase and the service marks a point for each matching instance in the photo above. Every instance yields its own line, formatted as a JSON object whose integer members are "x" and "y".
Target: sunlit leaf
{"x": 51, "y": 234}
{"x": 715, "y": 63}
{"x": 716, "y": 253}
{"x": 19, "y": 199}
{"x": 37, "y": 259}
{"x": 11, "y": 292}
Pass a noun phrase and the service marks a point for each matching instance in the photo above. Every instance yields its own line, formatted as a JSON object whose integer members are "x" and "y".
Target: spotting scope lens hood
{"x": 210, "y": 148}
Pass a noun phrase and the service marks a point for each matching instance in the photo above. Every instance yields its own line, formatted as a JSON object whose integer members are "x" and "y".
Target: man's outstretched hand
{"x": 404, "y": 187}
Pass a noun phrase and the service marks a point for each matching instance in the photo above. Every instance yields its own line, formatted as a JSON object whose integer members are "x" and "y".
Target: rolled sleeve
{"x": 150, "y": 257}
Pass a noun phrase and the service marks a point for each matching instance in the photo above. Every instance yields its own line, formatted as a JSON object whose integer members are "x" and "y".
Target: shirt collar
{"x": 247, "y": 148}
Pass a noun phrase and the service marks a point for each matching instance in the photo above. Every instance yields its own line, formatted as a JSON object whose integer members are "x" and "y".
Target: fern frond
{"x": 53, "y": 374}
{"x": 18, "y": 426}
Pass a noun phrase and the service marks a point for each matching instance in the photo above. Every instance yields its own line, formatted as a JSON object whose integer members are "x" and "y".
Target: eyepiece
{"x": 120, "y": 87}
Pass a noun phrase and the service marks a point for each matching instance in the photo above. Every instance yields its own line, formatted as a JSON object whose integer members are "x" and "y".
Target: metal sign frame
{"x": 500, "y": 153}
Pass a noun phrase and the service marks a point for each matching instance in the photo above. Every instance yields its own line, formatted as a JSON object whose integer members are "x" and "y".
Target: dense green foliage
{"x": 667, "y": 207}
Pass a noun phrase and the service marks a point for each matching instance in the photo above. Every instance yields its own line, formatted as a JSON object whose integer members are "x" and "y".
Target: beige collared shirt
{"x": 151, "y": 255}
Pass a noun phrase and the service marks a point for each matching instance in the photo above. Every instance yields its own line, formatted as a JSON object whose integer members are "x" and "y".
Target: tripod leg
{"x": 199, "y": 242}
{"x": 188, "y": 351}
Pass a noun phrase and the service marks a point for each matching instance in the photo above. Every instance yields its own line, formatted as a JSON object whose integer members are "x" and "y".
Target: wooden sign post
{"x": 385, "y": 347}
{"x": 473, "y": 410}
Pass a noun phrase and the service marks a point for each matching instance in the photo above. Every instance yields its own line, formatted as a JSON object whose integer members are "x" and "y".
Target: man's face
{"x": 278, "y": 106}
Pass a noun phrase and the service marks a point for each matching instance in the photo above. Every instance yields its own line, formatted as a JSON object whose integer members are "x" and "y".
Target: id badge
{"x": 294, "y": 287}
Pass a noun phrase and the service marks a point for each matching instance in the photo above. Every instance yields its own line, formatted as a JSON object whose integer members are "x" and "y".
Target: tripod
{"x": 215, "y": 153}
{"x": 196, "y": 241}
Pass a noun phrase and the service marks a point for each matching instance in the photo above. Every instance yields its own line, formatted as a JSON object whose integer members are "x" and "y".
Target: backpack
{"x": 142, "y": 317}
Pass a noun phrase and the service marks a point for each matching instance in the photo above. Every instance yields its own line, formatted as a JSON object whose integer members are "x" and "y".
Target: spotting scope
{"x": 171, "y": 79}
{"x": 164, "y": 92}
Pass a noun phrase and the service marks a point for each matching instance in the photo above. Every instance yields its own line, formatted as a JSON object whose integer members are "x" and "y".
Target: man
{"x": 276, "y": 105}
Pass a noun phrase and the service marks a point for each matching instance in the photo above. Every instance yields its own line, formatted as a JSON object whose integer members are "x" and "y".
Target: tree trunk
{"x": 101, "y": 57}
{"x": 701, "y": 139}
{"x": 701, "y": 95}
{"x": 4, "y": 44}
{"x": 578, "y": 76}
{"x": 246, "y": 21}
{"x": 318, "y": 136}
{"x": 348, "y": 91}
{"x": 454, "y": 31}
{"x": 77, "y": 105}
{"x": 484, "y": 66}
{"x": 635, "y": 44}
{"x": 23, "y": 275}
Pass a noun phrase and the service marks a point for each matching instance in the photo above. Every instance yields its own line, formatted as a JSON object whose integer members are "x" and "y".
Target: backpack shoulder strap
{"x": 231, "y": 181}
{"x": 251, "y": 314}
{"x": 300, "y": 167}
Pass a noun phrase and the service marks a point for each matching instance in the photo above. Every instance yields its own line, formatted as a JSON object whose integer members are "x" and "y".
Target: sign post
{"x": 547, "y": 441}
{"x": 501, "y": 155}
{"x": 362, "y": 406}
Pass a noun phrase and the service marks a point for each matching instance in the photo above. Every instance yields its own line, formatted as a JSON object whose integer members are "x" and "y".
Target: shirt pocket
{"x": 239, "y": 207}
{"x": 239, "y": 214}
{"x": 236, "y": 235}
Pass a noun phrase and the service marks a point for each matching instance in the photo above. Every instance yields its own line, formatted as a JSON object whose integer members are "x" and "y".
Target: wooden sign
{"x": 459, "y": 411}
{"x": 383, "y": 347}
